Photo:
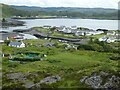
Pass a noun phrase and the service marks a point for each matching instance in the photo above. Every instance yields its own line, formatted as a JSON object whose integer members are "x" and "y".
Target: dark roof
{"x": 80, "y": 43}
{"x": 5, "y": 35}
{"x": 101, "y": 30}
{"x": 15, "y": 43}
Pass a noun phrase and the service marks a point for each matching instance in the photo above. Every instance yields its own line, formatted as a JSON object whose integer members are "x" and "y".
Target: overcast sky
{"x": 65, "y": 3}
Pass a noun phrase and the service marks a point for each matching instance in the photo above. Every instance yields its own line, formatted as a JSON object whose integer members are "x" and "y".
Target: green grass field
{"x": 71, "y": 65}
{"x": 40, "y": 29}
{"x": 75, "y": 64}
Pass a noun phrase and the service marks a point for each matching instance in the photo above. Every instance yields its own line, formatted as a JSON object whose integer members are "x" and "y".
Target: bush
{"x": 85, "y": 47}
{"x": 100, "y": 47}
{"x": 7, "y": 42}
{"x": 97, "y": 47}
{"x": 107, "y": 48}
{"x": 115, "y": 57}
{"x": 27, "y": 59}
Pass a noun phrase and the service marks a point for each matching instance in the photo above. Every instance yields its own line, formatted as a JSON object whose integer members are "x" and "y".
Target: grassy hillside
{"x": 8, "y": 11}
{"x": 75, "y": 9}
{"x": 96, "y": 13}
{"x": 72, "y": 12}
{"x": 71, "y": 66}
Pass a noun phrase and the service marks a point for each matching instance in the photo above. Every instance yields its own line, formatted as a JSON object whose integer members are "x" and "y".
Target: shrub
{"x": 97, "y": 47}
{"x": 85, "y": 47}
{"x": 115, "y": 57}
{"x": 7, "y": 42}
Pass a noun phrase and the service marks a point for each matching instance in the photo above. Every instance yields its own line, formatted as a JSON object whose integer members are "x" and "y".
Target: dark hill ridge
{"x": 70, "y": 12}
{"x": 64, "y": 9}
{"x": 8, "y": 11}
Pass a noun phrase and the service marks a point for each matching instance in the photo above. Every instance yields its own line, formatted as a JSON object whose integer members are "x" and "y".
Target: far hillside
{"x": 59, "y": 12}
{"x": 74, "y": 12}
{"x": 8, "y": 11}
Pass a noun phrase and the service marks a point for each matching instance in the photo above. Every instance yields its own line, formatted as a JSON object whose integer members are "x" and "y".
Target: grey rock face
{"x": 17, "y": 76}
{"x": 50, "y": 79}
{"x": 29, "y": 85}
{"x": 102, "y": 80}
{"x": 84, "y": 78}
{"x": 94, "y": 81}
{"x": 21, "y": 77}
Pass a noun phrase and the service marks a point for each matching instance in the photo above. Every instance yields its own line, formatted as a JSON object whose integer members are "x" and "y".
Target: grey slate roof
{"x": 15, "y": 43}
{"x": 48, "y": 44}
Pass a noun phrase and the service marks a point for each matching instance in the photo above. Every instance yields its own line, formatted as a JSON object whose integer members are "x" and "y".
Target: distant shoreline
{"x": 68, "y": 22}
{"x": 62, "y": 18}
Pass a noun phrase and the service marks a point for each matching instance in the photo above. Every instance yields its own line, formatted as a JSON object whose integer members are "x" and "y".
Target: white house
{"x": 67, "y": 30}
{"x": 17, "y": 44}
{"x": 18, "y": 37}
{"x": 88, "y": 32}
{"x": 111, "y": 33}
{"x": 1, "y": 41}
{"x": 111, "y": 39}
{"x": 96, "y": 32}
{"x": 103, "y": 38}
{"x": 108, "y": 39}
{"x": 79, "y": 33}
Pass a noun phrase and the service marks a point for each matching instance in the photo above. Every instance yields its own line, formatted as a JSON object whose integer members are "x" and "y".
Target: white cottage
{"x": 17, "y": 44}
{"x": 80, "y": 33}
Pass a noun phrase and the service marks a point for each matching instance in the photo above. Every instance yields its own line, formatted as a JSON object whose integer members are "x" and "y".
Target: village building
{"x": 108, "y": 39}
{"x": 49, "y": 44}
{"x": 18, "y": 37}
{"x": 87, "y": 32}
{"x": 1, "y": 41}
{"x": 111, "y": 33}
{"x": 17, "y": 44}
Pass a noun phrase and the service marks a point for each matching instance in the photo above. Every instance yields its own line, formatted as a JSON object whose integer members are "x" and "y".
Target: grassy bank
{"x": 71, "y": 65}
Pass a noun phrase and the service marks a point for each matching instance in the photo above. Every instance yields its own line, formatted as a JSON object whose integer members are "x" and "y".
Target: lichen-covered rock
{"x": 102, "y": 80}
{"x": 50, "y": 79}
{"x": 113, "y": 82}
{"x": 25, "y": 80}
{"x": 29, "y": 84}
{"x": 94, "y": 81}
{"x": 84, "y": 78}
{"x": 16, "y": 76}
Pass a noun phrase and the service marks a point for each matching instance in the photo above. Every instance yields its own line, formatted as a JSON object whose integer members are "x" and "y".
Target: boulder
{"x": 50, "y": 79}
{"x": 29, "y": 84}
{"x": 94, "y": 81}
{"x": 102, "y": 80}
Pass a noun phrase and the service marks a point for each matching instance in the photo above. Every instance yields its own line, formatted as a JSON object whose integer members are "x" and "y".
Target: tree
{"x": 97, "y": 47}
{"x": 84, "y": 33}
{"x": 91, "y": 40}
{"x": 105, "y": 32}
{"x": 85, "y": 47}
{"x": 7, "y": 42}
{"x": 3, "y": 20}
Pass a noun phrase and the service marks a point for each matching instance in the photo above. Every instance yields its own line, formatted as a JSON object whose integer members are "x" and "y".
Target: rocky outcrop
{"x": 11, "y": 22}
{"x": 102, "y": 80}
{"x": 22, "y": 78}
{"x": 17, "y": 76}
{"x": 50, "y": 79}
{"x": 29, "y": 84}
